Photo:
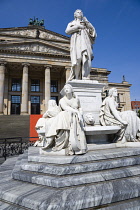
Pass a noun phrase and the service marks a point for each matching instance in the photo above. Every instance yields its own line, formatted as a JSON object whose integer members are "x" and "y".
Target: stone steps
{"x": 99, "y": 168}
{"x": 132, "y": 204}
{"x": 110, "y": 187}
{"x": 68, "y": 181}
{"x": 104, "y": 154}
{"x": 80, "y": 168}
{"x": 10, "y": 206}
{"x": 92, "y": 196}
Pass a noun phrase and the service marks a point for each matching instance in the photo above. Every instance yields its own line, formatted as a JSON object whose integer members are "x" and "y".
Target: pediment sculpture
{"x": 33, "y": 47}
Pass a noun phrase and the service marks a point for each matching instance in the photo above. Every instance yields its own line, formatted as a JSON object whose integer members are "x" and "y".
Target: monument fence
{"x": 15, "y": 145}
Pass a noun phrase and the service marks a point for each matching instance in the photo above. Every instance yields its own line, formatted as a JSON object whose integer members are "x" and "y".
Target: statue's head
{"x": 51, "y": 103}
{"x": 89, "y": 118}
{"x": 78, "y": 13}
{"x": 67, "y": 89}
{"x": 113, "y": 92}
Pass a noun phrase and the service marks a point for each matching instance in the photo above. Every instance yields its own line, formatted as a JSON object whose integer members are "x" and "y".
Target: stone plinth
{"x": 89, "y": 94}
{"x": 100, "y": 134}
{"x": 50, "y": 152}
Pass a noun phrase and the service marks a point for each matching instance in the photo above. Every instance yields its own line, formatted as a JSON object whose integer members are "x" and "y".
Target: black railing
{"x": 15, "y": 146}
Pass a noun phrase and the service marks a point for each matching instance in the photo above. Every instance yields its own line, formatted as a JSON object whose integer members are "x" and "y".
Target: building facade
{"x": 135, "y": 106}
{"x": 123, "y": 88}
{"x": 34, "y": 66}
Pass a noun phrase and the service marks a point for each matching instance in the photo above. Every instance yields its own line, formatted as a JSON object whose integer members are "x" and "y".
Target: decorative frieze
{"x": 35, "y": 48}
{"x": 46, "y": 35}
{"x": 25, "y": 33}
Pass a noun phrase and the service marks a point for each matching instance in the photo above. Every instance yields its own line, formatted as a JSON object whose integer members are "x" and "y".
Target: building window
{"x": 35, "y": 85}
{"x": 55, "y": 98}
{"x": 35, "y": 104}
{"x": 54, "y": 86}
{"x": 15, "y": 104}
{"x": 118, "y": 98}
{"x": 16, "y": 85}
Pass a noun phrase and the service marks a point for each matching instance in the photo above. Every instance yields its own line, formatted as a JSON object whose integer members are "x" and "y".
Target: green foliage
{"x": 139, "y": 113}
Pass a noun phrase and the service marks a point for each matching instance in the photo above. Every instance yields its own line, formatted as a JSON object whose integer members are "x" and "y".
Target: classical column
{"x": 24, "y": 100}
{"x": 2, "y": 77}
{"x": 47, "y": 85}
{"x": 67, "y": 68}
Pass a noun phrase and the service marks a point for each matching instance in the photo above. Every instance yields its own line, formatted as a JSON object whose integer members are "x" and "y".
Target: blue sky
{"x": 117, "y": 23}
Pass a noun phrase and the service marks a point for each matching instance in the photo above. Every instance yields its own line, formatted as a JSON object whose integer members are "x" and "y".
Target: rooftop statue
{"x": 36, "y": 22}
{"x": 123, "y": 78}
{"x": 83, "y": 35}
{"x": 127, "y": 120}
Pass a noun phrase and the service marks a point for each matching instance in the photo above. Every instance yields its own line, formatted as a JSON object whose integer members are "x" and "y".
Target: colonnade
{"x": 24, "y": 98}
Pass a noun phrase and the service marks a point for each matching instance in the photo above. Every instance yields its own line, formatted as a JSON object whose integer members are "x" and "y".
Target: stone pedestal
{"x": 89, "y": 94}
{"x": 50, "y": 152}
{"x": 101, "y": 179}
{"x": 100, "y": 134}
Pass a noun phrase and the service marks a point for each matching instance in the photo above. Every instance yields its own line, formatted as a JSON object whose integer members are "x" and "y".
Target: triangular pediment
{"x": 31, "y": 32}
{"x": 35, "y": 46}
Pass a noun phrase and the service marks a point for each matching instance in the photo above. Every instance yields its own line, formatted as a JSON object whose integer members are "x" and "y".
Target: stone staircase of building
{"x": 14, "y": 126}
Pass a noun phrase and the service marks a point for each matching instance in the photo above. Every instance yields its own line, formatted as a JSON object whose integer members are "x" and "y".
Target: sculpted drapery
{"x": 83, "y": 35}
{"x": 127, "y": 120}
{"x": 66, "y": 128}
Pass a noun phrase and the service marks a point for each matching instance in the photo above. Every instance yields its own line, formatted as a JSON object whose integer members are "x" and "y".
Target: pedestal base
{"x": 89, "y": 94}
{"x": 51, "y": 152}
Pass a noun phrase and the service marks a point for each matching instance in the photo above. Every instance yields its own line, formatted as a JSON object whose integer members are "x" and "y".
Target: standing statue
{"x": 65, "y": 130}
{"x": 83, "y": 35}
{"x": 127, "y": 120}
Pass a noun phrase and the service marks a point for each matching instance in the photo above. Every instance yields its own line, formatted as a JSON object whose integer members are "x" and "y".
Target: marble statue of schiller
{"x": 83, "y": 35}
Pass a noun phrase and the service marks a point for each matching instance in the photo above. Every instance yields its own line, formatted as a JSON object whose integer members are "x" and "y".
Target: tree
{"x": 139, "y": 113}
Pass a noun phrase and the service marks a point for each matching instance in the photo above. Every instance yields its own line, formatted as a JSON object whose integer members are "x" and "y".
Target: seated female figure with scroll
{"x": 66, "y": 130}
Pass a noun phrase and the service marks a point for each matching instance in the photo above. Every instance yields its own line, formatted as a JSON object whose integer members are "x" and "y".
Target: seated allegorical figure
{"x": 66, "y": 128}
{"x": 127, "y": 120}
{"x": 44, "y": 123}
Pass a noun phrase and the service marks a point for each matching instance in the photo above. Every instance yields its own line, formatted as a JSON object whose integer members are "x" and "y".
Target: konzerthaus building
{"x": 34, "y": 66}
